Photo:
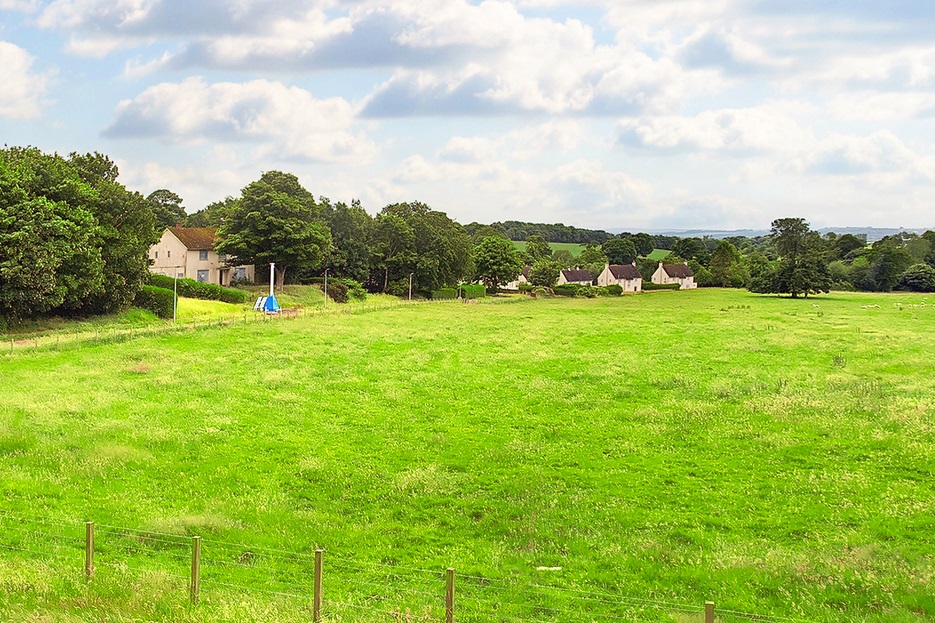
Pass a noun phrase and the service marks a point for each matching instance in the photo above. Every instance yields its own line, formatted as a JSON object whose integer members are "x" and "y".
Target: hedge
{"x": 445, "y": 294}
{"x": 160, "y": 301}
{"x": 473, "y": 290}
{"x": 649, "y": 285}
{"x": 197, "y": 290}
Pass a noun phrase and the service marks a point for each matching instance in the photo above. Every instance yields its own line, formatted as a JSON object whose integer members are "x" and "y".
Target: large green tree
{"x": 496, "y": 261}
{"x": 620, "y": 251}
{"x": 802, "y": 267}
{"x": 392, "y": 249}
{"x": 537, "y": 249}
{"x": 275, "y": 220}
{"x": 72, "y": 239}
{"x": 727, "y": 267}
{"x": 167, "y": 208}
{"x": 350, "y": 233}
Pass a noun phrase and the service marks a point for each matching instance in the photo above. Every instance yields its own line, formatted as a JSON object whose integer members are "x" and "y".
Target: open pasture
{"x": 573, "y": 460}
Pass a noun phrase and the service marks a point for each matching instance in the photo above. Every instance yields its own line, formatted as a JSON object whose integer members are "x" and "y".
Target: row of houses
{"x": 189, "y": 252}
{"x": 625, "y": 275}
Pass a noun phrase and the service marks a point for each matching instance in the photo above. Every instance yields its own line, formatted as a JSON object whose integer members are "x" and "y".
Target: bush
{"x": 160, "y": 301}
{"x": 566, "y": 289}
{"x": 192, "y": 289}
{"x": 354, "y": 289}
{"x": 473, "y": 290}
{"x": 337, "y": 291}
{"x": 445, "y": 294}
{"x": 917, "y": 278}
{"x": 537, "y": 291}
{"x": 649, "y": 285}
{"x": 614, "y": 289}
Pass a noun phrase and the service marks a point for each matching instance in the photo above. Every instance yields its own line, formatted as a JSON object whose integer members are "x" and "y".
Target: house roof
{"x": 195, "y": 238}
{"x": 625, "y": 271}
{"x": 526, "y": 270}
{"x": 576, "y": 274}
{"x": 679, "y": 271}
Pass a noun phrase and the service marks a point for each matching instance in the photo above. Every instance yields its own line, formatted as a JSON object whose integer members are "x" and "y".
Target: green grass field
{"x": 573, "y": 460}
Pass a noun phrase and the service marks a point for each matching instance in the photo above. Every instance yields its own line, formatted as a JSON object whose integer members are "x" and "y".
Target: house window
{"x": 157, "y": 255}
{"x": 168, "y": 253}
{"x": 203, "y": 276}
{"x": 240, "y": 274}
{"x": 203, "y": 255}
{"x": 180, "y": 275}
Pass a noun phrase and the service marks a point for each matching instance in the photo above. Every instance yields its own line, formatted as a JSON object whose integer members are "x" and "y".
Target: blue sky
{"x": 632, "y": 114}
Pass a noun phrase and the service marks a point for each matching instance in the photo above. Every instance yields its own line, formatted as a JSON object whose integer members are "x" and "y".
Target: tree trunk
{"x": 280, "y": 278}
{"x": 386, "y": 279}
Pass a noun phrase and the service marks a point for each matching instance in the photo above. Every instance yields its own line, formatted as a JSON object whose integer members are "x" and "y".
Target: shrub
{"x": 197, "y": 290}
{"x": 614, "y": 289}
{"x": 537, "y": 291}
{"x": 649, "y": 285}
{"x": 354, "y": 289}
{"x": 337, "y": 291}
{"x": 473, "y": 290}
{"x": 566, "y": 289}
{"x": 160, "y": 301}
{"x": 917, "y": 278}
{"x": 445, "y": 294}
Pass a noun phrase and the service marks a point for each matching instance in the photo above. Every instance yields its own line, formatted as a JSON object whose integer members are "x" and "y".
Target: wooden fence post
{"x": 316, "y": 599}
{"x": 709, "y": 612}
{"x": 450, "y": 597}
{"x": 89, "y": 549}
{"x": 195, "y": 586}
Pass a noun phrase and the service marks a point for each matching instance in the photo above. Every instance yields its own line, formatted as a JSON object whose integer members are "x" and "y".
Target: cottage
{"x": 189, "y": 252}
{"x": 574, "y": 275}
{"x": 675, "y": 273}
{"x": 624, "y": 275}
{"x": 523, "y": 279}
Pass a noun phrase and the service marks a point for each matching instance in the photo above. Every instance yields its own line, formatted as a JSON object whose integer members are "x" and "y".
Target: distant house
{"x": 523, "y": 279}
{"x": 189, "y": 252}
{"x": 624, "y": 275}
{"x": 574, "y": 275}
{"x": 675, "y": 273}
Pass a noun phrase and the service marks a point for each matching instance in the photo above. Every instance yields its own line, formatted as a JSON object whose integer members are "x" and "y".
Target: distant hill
{"x": 872, "y": 233}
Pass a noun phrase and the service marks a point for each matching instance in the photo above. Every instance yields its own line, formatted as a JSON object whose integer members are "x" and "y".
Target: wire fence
{"x": 331, "y": 587}
{"x": 69, "y": 340}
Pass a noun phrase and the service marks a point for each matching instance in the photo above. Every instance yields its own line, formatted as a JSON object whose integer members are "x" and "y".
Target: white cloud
{"x": 284, "y": 120}
{"x": 23, "y": 90}
{"x": 25, "y": 6}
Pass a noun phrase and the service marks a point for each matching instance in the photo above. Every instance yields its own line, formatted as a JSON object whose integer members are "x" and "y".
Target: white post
{"x": 272, "y": 277}
{"x": 410, "y": 286}
{"x": 325, "y": 304}
{"x": 175, "y": 295}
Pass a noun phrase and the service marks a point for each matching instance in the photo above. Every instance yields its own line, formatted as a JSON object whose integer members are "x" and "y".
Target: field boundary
{"x": 69, "y": 340}
{"x": 201, "y": 567}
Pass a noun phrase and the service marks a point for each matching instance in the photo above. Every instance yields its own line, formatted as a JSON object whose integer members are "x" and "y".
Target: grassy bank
{"x": 773, "y": 455}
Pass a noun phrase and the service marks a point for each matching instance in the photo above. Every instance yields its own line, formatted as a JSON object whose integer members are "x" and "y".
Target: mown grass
{"x": 773, "y": 455}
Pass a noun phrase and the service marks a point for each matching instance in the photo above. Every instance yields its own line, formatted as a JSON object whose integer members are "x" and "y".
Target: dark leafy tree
{"x": 727, "y": 267}
{"x": 167, "y": 208}
{"x": 350, "y": 234}
{"x": 888, "y": 260}
{"x": 691, "y": 249}
{"x": 213, "y": 215}
{"x": 392, "y": 249}
{"x": 643, "y": 243}
{"x": 620, "y": 251}
{"x": 917, "y": 278}
{"x": 564, "y": 258}
{"x": 496, "y": 261}
{"x": 544, "y": 273}
{"x": 803, "y": 267}
{"x": 276, "y": 220}
{"x": 537, "y": 249}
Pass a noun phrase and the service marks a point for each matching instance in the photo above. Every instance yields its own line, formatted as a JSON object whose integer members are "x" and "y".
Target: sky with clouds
{"x": 611, "y": 114}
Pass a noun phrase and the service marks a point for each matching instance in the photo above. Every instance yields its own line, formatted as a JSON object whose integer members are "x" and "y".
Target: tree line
{"x": 74, "y": 241}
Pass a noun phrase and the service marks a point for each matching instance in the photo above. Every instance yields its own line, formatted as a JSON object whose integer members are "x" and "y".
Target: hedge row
{"x": 160, "y": 301}
{"x": 190, "y": 288}
{"x": 445, "y": 294}
{"x": 473, "y": 291}
{"x": 575, "y": 289}
{"x": 649, "y": 285}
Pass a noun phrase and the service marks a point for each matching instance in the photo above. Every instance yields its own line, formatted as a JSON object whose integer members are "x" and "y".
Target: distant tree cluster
{"x": 518, "y": 230}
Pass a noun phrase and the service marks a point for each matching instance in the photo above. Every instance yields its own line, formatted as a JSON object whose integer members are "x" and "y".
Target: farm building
{"x": 189, "y": 252}
{"x": 574, "y": 275}
{"x": 675, "y": 273}
{"x": 624, "y": 275}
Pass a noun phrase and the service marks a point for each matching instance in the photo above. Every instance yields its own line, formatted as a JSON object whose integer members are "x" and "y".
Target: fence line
{"x": 63, "y": 340}
{"x": 396, "y": 591}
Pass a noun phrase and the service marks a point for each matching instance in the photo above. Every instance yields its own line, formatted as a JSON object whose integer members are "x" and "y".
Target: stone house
{"x": 624, "y": 275}
{"x": 675, "y": 273}
{"x": 189, "y": 252}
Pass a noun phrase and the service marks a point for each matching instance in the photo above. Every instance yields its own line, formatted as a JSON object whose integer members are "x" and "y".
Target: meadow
{"x": 574, "y": 460}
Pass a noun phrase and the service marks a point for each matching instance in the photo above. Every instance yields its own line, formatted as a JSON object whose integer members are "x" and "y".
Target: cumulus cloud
{"x": 762, "y": 129}
{"x": 280, "y": 118}
{"x": 23, "y": 89}
{"x": 880, "y": 153}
